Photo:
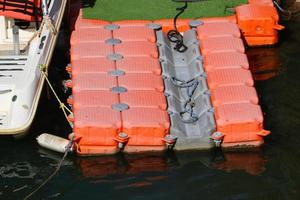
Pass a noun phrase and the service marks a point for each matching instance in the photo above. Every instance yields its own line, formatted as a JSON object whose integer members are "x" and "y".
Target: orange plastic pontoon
{"x": 119, "y": 83}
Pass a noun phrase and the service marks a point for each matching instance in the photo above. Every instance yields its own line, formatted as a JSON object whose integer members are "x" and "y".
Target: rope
{"x": 189, "y": 109}
{"x": 64, "y": 108}
{"x": 191, "y": 87}
{"x": 47, "y": 21}
{"x": 68, "y": 149}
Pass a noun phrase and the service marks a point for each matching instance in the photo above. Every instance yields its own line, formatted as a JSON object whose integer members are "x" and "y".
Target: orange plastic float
{"x": 144, "y": 98}
{"x": 146, "y": 128}
{"x": 101, "y": 98}
{"x": 139, "y": 65}
{"x": 168, "y": 24}
{"x": 134, "y": 32}
{"x": 92, "y": 81}
{"x": 221, "y": 44}
{"x": 96, "y": 129}
{"x": 258, "y": 23}
{"x": 218, "y": 29}
{"x": 223, "y": 60}
{"x": 241, "y": 124}
{"x": 261, "y": 2}
{"x": 90, "y": 35}
{"x": 88, "y": 50}
{"x": 234, "y": 94}
{"x": 137, "y": 48}
{"x": 118, "y": 91}
{"x": 141, "y": 82}
{"x": 91, "y": 65}
{"x": 238, "y": 117}
{"x": 228, "y": 77}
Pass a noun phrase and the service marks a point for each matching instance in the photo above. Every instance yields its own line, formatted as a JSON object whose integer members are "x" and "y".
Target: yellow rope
{"x": 64, "y": 108}
{"x": 47, "y": 21}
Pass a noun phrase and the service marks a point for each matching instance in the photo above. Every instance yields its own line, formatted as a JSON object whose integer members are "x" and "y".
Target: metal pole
{"x": 16, "y": 39}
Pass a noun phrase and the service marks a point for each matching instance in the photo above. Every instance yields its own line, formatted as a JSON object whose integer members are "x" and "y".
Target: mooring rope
{"x": 47, "y": 21}
{"x": 64, "y": 108}
{"x": 69, "y": 147}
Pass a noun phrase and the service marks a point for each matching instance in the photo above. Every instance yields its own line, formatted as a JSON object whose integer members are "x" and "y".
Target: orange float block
{"x": 93, "y": 81}
{"x": 96, "y": 126}
{"x": 94, "y": 98}
{"x": 141, "y": 82}
{"x": 240, "y": 122}
{"x": 233, "y": 94}
{"x": 218, "y": 29}
{"x": 231, "y": 19}
{"x": 137, "y": 48}
{"x": 90, "y": 49}
{"x": 90, "y": 35}
{"x": 168, "y": 24}
{"x": 144, "y": 98}
{"x": 91, "y": 65}
{"x": 145, "y": 127}
{"x": 139, "y": 65}
{"x": 90, "y": 150}
{"x": 89, "y": 23}
{"x": 134, "y": 30}
{"x": 223, "y": 60}
{"x": 259, "y": 24}
{"x": 221, "y": 44}
{"x": 230, "y": 76}
{"x": 262, "y": 2}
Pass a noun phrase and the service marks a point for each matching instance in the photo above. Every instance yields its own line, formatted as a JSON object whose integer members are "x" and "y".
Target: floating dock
{"x": 132, "y": 91}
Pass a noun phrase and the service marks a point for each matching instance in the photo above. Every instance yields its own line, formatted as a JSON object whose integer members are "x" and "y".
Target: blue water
{"x": 272, "y": 172}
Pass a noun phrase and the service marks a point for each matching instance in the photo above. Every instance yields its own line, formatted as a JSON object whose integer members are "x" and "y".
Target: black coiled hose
{"x": 174, "y": 36}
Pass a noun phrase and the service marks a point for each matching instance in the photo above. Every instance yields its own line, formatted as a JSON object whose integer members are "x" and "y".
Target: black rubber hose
{"x": 174, "y": 36}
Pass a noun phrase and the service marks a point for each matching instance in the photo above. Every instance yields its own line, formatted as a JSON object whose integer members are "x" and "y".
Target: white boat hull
{"x": 21, "y": 82}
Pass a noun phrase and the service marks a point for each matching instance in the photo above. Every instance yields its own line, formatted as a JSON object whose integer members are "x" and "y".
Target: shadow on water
{"x": 268, "y": 173}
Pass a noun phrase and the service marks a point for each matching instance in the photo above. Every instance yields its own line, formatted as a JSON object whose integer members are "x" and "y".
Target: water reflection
{"x": 264, "y": 63}
{"x": 96, "y": 169}
{"x": 17, "y": 170}
{"x": 251, "y": 162}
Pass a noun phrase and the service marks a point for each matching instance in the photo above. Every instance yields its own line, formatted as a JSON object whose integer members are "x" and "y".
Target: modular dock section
{"x": 132, "y": 91}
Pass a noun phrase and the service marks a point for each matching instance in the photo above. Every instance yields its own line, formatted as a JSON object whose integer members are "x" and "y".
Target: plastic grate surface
{"x": 139, "y": 65}
{"x": 218, "y": 29}
{"x": 230, "y": 76}
{"x": 93, "y": 81}
{"x": 137, "y": 48}
{"x": 214, "y": 61}
{"x": 234, "y": 94}
{"x": 222, "y": 44}
{"x": 91, "y": 65}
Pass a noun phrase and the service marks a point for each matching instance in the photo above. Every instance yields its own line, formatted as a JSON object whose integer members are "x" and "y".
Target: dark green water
{"x": 273, "y": 172}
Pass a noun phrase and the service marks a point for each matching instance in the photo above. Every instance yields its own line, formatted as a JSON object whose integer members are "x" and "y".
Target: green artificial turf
{"x": 113, "y": 10}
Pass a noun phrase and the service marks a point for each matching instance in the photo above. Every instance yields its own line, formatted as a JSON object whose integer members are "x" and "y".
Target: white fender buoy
{"x": 53, "y": 142}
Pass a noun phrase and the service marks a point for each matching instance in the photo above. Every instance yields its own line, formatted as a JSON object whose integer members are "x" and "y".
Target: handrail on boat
{"x": 45, "y": 8}
{"x": 46, "y": 21}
